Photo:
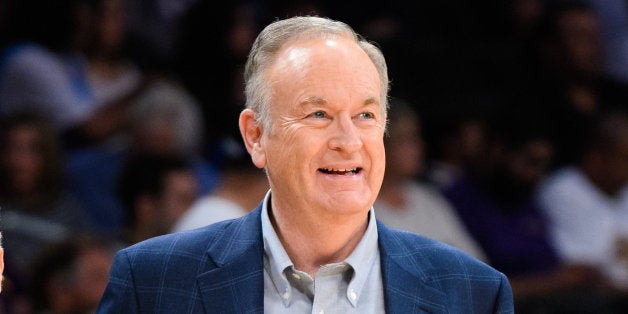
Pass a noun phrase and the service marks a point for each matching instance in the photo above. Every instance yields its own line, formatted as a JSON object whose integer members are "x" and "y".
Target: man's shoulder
{"x": 415, "y": 266}
{"x": 429, "y": 258}
{"x": 184, "y": 243}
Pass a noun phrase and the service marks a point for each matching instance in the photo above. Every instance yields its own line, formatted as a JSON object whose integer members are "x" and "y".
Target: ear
{"x": 251, "y": 132}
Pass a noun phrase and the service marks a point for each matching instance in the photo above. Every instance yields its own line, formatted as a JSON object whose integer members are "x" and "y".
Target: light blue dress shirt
{"x": 352, "y": 286}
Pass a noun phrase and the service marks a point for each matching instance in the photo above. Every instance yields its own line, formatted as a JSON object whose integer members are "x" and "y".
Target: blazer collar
{"x": 236, "y": 283}
{"x": 406, "y": 288}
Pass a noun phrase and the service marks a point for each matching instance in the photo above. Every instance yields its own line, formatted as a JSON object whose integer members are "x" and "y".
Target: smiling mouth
{"x": 351, "y": 171}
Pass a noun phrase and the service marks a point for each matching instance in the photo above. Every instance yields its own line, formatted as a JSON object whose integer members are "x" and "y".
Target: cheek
{"x": 291, "y": 147}
{"x": 377, "y": 155}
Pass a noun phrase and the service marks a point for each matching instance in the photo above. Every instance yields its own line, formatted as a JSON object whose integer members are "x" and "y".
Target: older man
{"x": 315, "y": 121}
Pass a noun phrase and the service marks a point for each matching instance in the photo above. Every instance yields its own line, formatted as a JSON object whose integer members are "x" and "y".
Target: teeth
{"x": 339, "y": 171}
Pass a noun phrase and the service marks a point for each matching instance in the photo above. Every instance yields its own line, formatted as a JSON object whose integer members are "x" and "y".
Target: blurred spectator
{"x": 455, "y": 145}
{"x": 156, "y": 190}
{"x": 111, "y": 73}
{"x": 614, "y": 23}
{"x": 228, "y": 200}
{"x": 213, "y": 73}
{"x": 3, "y": 305}
{"x": 408, "y": 204}
{"x": 43, "y": 69}
{"x": 495, "y": 199}
{"x": 70, "y": 277}
{"x": 36, "y": 206}
{"x": 587, "y": 203}
{"x": 571, "y": 80}
{"x": 1, "y": 262}
{"x": 154, "y": 30}
{"x": 164, "y": 120}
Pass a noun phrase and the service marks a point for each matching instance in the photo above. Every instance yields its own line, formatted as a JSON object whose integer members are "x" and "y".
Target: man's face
{"x": 324, "y": 151}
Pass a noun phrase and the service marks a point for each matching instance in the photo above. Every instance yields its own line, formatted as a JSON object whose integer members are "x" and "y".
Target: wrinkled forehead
{"x": 335, "y": 63}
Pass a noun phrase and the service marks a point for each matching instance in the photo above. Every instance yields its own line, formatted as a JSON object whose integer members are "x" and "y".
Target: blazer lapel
{"x": 405, "y": 290}
{"x": 236, "y": 283}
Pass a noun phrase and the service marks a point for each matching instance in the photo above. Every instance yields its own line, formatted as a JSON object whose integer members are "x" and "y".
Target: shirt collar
{"x": 276, "y": 260}
{"x": 363, "y": 258}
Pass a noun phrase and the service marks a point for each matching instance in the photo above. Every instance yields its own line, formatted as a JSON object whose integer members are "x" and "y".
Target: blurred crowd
{"x": 508, "y": 136}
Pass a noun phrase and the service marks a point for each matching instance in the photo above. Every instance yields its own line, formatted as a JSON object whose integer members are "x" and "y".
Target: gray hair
{"x": 168, "y": 102}
{"x": 272, "y": 38}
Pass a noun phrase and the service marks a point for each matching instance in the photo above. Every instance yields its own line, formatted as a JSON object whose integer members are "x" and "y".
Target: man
{"x": 315, "y": 121}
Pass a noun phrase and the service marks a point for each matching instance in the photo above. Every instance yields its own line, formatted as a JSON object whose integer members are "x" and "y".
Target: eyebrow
{"x": 371, "y": 101}
{"x": 315, "y": 100}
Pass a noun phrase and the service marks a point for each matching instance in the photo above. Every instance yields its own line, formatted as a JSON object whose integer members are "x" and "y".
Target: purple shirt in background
{"x": 514, "y": 237}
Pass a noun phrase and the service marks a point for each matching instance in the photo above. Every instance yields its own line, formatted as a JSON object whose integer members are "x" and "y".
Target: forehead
{"x": 325, "y": 67}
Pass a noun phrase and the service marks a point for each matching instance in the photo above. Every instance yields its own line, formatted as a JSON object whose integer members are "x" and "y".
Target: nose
{"x": 346, "y": 135}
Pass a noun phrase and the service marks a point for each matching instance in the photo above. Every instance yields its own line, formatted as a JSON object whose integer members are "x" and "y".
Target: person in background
{"x": 496, "y": 200}
{"x": 455, "y": 144}
{"x": 43, "y": 69}
{"x": 111, "y": 73}
{"x": 214, "y": 76}
{"x": 317, "y": 97}
{"x": 573, "y": 85}
{"x": 37, "y": 207}
{"x": 70, "y": 276}
{"x": 4, "y": 301}
{"x": 1, "y": 262}
{"x": 614, "y": 30}
{"x": 406, "y": 203}
{"x": 587, "y": 205}
{"x": 227, "y": 200}
{"x": 155, "y": 190}
{"x": 163, "y": 121}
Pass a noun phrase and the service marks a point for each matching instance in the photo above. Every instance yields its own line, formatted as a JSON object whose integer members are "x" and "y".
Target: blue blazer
{"x": 219, "y": 269}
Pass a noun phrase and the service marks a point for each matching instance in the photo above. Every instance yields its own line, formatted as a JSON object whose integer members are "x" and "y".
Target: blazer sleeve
{"x": 120, "y": 295}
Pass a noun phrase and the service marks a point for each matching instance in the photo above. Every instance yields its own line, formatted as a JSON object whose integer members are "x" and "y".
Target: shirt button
{"x": 286, "y": 295}
{"x": 321, "y": 312}
{"x": 353, "y": 295}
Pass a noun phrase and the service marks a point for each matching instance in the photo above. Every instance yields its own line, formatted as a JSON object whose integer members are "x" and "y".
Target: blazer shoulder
{"x": 168, "y": 272}
{"x": 414, "y": 264}
{"x": 435, "y": 258}
{"x": 188, "y": 243}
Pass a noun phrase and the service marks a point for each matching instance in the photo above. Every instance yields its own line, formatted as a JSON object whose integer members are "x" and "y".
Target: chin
{"x": 348, "y": 203}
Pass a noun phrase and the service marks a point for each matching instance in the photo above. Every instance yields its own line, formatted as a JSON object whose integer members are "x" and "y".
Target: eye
{"x": 318, "y": 114}
{"x": 366, "y": 116}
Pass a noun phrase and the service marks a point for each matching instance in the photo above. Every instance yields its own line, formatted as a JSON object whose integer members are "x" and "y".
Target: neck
{"x": 311, "y": 243}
